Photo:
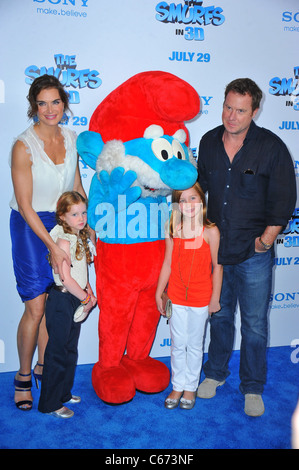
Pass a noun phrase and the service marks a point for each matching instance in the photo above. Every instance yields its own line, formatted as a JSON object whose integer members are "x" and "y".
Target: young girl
{"x": 65, "y": 297}
{"x": 194, "y": 280}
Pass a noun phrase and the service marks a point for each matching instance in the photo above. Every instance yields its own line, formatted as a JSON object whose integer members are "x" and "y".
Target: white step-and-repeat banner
{"x": 95, "y": 45}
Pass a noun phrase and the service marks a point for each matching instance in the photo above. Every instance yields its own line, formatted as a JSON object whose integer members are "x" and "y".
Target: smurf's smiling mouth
{"x": 150, "y": 189}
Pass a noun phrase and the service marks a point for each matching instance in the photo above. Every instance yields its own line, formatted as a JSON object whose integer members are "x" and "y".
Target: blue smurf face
{"x": 167, "y": 163}
{"x": 160, "y": 162}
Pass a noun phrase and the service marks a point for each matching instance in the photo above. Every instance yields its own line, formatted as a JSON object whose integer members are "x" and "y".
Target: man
{"x": 250, "y": 179}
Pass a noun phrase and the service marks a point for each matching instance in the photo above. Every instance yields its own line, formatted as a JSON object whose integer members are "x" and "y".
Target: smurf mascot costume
{"x": 138, "y": 145}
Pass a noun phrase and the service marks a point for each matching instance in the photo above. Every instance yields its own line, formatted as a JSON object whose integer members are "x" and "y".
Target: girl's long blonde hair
{"x": 176, "y": 217}
{"x": 66, "y": 200}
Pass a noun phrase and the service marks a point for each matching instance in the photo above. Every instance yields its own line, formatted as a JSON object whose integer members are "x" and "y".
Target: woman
{"x": 44, "y": 164}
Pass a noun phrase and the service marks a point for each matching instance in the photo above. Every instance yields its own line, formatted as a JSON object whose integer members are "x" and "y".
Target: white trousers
{"x": 187, "y": 328}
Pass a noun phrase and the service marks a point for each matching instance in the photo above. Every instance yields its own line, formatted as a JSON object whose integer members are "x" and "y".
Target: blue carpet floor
{"x": 144, "y": 423}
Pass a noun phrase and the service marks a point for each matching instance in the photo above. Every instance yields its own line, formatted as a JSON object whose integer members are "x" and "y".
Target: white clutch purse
{"x": 79, "y": 314}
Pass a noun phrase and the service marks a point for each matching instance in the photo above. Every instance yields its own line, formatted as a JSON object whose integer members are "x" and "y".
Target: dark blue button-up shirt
{"x": 257, "y": 189}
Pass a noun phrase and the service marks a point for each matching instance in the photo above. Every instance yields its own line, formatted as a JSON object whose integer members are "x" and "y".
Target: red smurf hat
{"x": 153, "y": 97}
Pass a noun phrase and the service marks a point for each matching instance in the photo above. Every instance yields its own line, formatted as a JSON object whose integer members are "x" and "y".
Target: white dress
{"x": 49, "y": 180}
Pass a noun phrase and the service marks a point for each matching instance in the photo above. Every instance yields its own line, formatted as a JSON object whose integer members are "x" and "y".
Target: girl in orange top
{"x": 194, "y": 280}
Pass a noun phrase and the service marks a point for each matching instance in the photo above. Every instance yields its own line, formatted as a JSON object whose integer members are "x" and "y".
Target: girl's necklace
{"x": 186, "y": 286}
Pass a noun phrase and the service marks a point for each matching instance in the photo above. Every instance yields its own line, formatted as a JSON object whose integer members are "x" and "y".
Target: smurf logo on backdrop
{"x": 291, "y": 232}
{"x": 191, "y": 13}
{"x": 66, "y": 71}
{"x": 287, "y": 87}
{"x": 289, "y": 238}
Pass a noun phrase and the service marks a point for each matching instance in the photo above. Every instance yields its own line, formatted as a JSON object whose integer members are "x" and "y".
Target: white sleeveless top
{"x": 49, "y": 180}
{"x": 79, "y": 267}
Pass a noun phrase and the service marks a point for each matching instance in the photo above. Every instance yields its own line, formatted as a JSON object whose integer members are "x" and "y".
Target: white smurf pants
{"x": 187, "y": 328}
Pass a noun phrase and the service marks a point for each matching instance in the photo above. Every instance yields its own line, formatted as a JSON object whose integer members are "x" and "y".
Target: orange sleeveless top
{"x": 190, "y": 281}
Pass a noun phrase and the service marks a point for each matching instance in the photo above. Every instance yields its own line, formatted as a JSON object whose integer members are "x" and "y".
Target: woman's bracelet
{"x": 86, "y": 300}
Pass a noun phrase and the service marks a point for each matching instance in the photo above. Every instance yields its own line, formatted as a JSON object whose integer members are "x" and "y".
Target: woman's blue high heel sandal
{"x": 37, "y": 377}
{"x": 24, "y": 405}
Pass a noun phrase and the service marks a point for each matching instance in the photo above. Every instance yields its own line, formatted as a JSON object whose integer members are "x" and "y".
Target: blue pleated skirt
{"x": 32, "y": 270}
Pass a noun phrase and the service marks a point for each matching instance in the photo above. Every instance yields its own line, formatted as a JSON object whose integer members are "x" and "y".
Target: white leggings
{"x": 187, "y": 328}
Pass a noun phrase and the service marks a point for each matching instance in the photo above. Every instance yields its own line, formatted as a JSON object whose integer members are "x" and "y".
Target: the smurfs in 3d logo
{"x": 65, "y": 69}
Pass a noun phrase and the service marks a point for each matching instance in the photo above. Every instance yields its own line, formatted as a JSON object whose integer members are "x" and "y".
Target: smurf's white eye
{"x": 162, "y": 149}
{"x": 178, "y": 150}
